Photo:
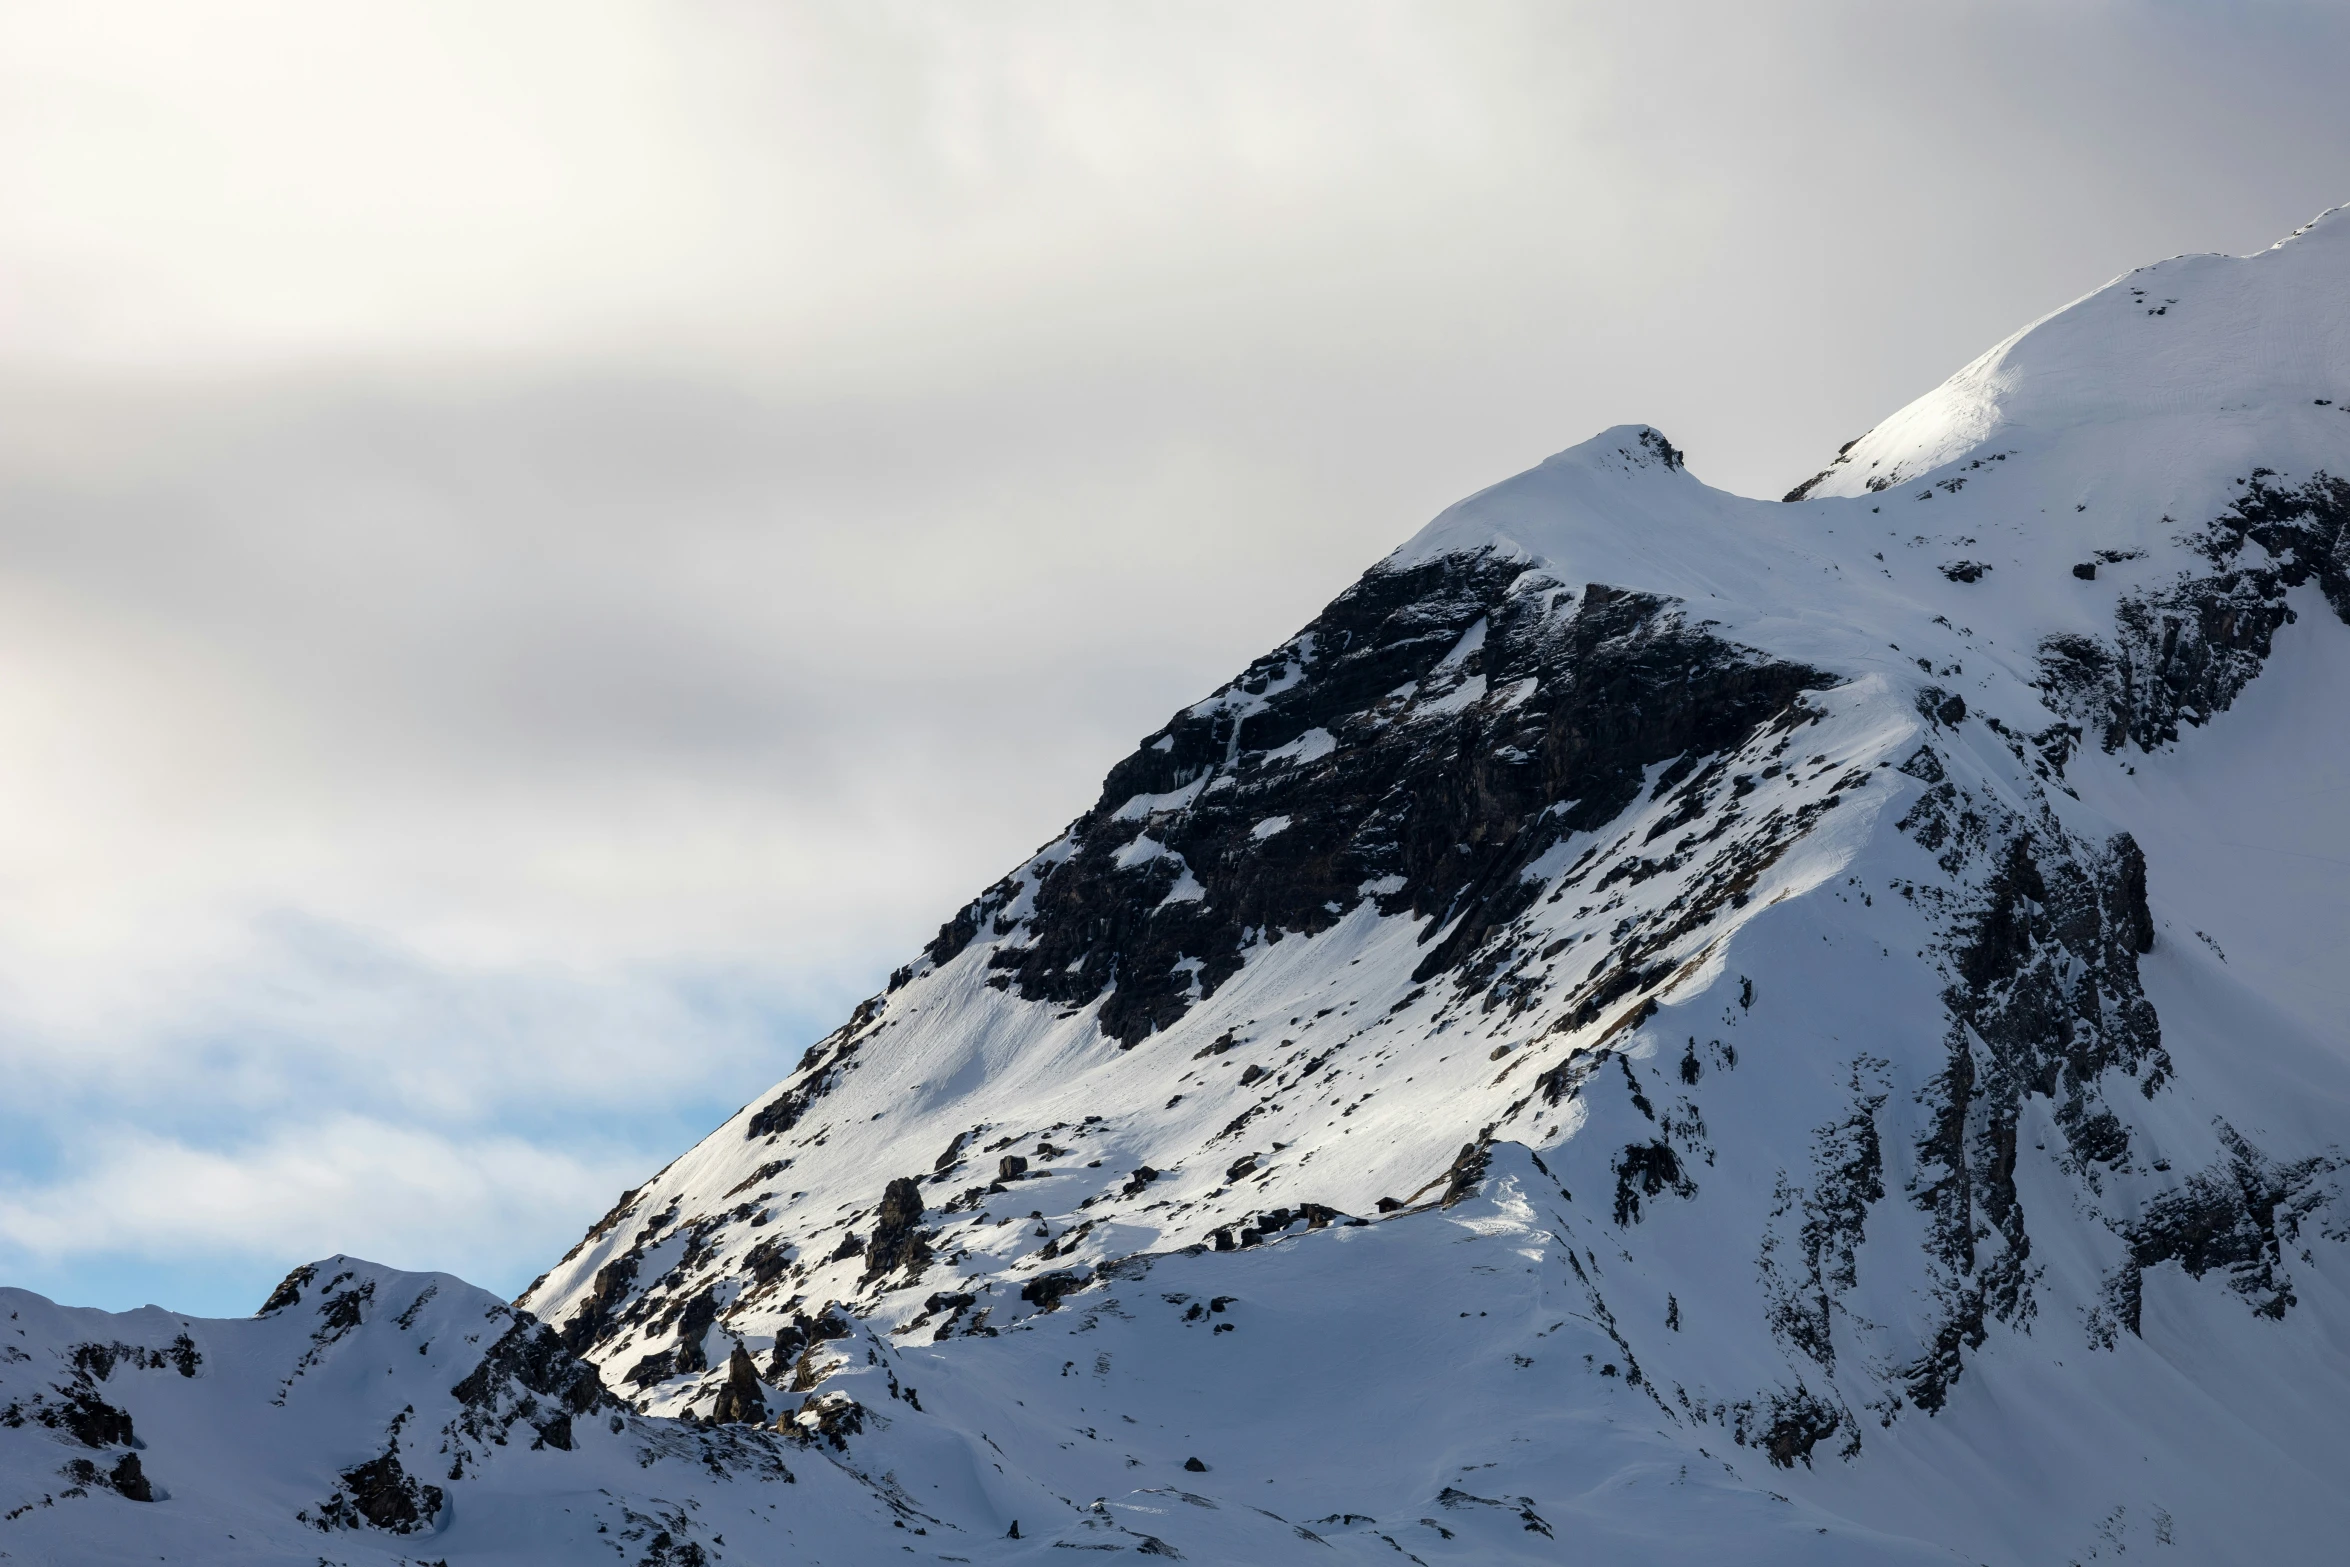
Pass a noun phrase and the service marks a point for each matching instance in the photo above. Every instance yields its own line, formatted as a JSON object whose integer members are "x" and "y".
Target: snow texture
{"x": 1661, "y": 1028}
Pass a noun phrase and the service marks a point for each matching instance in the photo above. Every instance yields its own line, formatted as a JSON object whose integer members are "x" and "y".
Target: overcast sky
{"x": 544, "y": 547}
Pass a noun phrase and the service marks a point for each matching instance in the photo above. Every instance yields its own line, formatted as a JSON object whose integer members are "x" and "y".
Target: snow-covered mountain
{"x": 1660, "y": 1027}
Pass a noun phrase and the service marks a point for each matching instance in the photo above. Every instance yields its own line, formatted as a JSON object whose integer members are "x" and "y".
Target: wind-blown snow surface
{"x": 1661, "y": 1027}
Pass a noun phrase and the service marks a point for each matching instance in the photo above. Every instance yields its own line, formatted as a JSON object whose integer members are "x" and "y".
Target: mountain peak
{"x": 1833, "y": 1002}
{"x": 2195, "y": 339}
{"x": 1594, "y": 512}
{"x": 1623, "y": 448}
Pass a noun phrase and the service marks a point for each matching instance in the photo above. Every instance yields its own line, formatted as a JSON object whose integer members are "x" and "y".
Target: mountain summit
{"x": 2170, "y": 366}
{"x": 1659, "y": 1027}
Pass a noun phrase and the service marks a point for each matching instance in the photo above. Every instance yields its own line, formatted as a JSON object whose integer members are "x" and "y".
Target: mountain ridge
{"x": 2204, "y": 335}
{"x": 1658, "y": 1019}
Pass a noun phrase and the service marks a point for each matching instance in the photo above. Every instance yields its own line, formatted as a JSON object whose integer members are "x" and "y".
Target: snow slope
{"x": 2172, "y": 365}
{"x": 365, "y": 1415}
{"x": 1660, "y": 1027}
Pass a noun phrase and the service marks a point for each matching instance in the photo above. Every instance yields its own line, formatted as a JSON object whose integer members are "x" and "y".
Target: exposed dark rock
{"x": 89, "y": 1419}
{"x": 527, "y": 1364}
{"x": 289, "y": 1289}
{"x": 382, "y": 1494}
{"x": 818, "y": 1073}
{"x": 740, "y": 1401}
{"x": 952, "y": 1302}
{"x": 1046, "y": 1291}
{"x": 765, "y": 1172}
{"x": 783, "y": 1112}
{"x": 1848, "y": 1176}
{"x": 96, "y": 1362}
{"x": 599, "y": 1312}
{"x": 1468, "y": 1171}
{"x": 2045, "y": 1000}
{"x": 666, "y": 1550}
{"x": 1843, "y": 455}
{"x": 1455, "y": 1499}
{"x": 898, "y": 1241}
{"x": 1797, "y": 1422}
{"x": 766, "y": 1262}
{"x": 2240, "y": 1217}
{"x": 693, "y": 1328}
{"x": 130, "y": 1480}
{"x": 1580, "y": 697}
{"x": 831, "y": 1418}
{"x": 341, "y": 1310}
{"x": 1946, "y": 708}
{"x": 2129, "y": 884}
{"x": 2180, "y": 654}
{"x": 1648, "y": 1170}
{"x": 601, "y": 1228}
{"x": 802, "y": 1333}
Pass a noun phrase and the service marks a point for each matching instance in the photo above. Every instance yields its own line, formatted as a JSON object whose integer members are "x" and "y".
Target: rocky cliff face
{"x": 1671, "y": 1023}
{"x": 1430, "y": 736}
{"x": 2180, "y": 651}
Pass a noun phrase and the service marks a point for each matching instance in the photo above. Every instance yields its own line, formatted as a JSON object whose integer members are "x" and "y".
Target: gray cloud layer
{"x": 543, "y": 547}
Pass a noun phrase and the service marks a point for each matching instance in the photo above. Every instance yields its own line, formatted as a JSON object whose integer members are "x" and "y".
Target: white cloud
{"x": 335, "y": 1183}
{"x": 543, "y": 547}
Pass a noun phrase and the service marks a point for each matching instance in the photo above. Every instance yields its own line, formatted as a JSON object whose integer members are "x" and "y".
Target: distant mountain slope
{"x": 365, "y": 1415}
{"x": 1659, "y": 1027}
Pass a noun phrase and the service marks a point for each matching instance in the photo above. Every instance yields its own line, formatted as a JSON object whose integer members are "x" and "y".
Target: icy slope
{"x": 1659, "y": 1027}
